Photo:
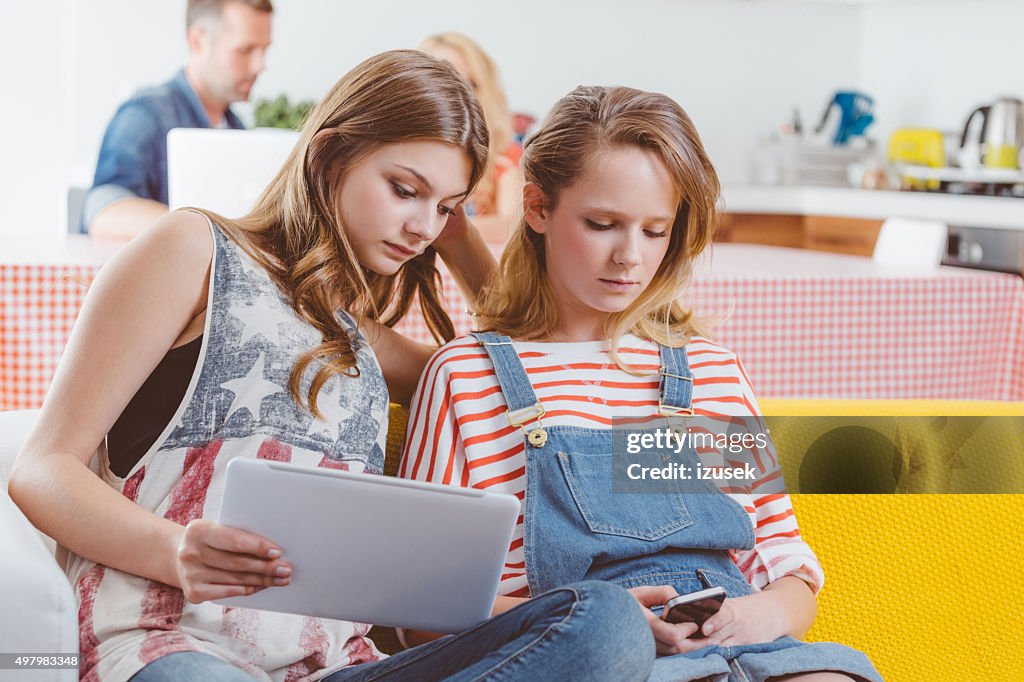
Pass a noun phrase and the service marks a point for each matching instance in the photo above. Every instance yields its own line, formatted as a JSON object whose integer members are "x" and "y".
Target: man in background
{"x": 227, "y": 43}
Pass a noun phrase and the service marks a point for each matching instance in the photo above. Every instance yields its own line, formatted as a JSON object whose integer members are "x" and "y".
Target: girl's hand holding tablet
{"x": 215, "y": 561}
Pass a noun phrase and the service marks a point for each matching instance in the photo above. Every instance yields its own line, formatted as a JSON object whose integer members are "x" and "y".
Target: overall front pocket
{"x": 644, "y": 516}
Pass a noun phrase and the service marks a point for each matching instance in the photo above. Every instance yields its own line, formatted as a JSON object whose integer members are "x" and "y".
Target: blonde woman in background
{"x": 496, "y": 197}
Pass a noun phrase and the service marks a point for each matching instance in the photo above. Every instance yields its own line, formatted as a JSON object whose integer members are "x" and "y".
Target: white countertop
{"x": 966, "y": 211}
{"x": 757, "y": 261}
{"x": 64, "y": 250}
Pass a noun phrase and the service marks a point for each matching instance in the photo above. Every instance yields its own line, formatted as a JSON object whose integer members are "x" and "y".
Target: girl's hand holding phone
{"x": 786, "y": 606}
{"x": 746, "y": 620}
{"x": 669, "y": 638}
{"x": 213, "y": 561}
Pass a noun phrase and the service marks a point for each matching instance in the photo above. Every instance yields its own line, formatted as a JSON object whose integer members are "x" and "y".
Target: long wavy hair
{"x": 485, "y": 79}
{"x": 519, "y": 300}
{"x": 295, "y": 230}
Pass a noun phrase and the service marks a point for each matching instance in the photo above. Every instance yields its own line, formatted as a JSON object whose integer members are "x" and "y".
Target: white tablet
{"x": 373, "y": 549}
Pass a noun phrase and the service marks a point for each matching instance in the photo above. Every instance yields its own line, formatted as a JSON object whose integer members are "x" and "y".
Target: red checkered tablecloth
{"x": 819, "y": 325}
{"x": 42, "y": 286}
{"x": 38, "y": 306}
{"x": 805, "y": 324}
{"x": 852, "y": 337}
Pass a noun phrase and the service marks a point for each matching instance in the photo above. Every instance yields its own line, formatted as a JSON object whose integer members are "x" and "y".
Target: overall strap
{"x": 676, "y": 383}
{"x": 523, "y": 406}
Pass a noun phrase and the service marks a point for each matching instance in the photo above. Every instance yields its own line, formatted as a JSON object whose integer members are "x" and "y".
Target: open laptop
{"x": 224, "y": 171}
{"x": 373, "y": 549}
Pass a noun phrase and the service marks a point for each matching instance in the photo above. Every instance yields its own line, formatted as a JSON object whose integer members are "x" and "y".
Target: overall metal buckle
{"x": 537, "y": 436}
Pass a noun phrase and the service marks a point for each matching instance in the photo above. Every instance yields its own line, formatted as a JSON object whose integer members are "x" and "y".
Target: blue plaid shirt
{"x": 133, "y": 156}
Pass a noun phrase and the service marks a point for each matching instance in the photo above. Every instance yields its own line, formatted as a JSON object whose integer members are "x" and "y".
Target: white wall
{"x": 931, "y": 65}
{"x": 737, "y": 66}
{"x": 34, "y": 114}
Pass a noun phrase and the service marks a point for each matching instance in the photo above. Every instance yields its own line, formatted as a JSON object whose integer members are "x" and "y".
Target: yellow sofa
{"x": 926, "y": 584}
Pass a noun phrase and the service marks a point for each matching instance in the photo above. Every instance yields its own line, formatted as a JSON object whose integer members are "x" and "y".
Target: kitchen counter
{"x": 955, "y": 210}
{"x": 72, "y": 249}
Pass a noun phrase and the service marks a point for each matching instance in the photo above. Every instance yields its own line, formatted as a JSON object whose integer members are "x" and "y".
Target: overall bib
{"x": 576, "y": 528}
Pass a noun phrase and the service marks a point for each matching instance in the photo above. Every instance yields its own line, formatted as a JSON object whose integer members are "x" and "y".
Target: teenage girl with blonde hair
{"x": 497, "y": 196}
{"x": 208, "y": 339}
{"x": 582, "y": 326}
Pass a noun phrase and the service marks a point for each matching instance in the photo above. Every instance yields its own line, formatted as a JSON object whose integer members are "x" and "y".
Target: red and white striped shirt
{"x": 459, "y": 433}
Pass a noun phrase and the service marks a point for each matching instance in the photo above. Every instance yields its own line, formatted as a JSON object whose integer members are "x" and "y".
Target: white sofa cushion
{"x": 40, "y": 613}
{"x": 14, "y": 427}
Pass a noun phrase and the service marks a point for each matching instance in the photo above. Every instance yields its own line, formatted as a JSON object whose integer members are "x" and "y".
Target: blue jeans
{"x": 590, "y": 631}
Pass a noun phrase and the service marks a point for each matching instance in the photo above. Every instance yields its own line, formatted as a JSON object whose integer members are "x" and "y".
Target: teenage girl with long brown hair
{"x": 208, "y": 339}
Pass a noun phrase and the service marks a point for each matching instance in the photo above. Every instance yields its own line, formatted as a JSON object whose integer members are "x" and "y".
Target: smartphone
{"x": 695, "y": 607}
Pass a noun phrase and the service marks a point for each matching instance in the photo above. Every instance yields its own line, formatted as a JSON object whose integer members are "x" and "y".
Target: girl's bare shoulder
{"x": 182, "y": 236}
{"x": 169, "y": 262}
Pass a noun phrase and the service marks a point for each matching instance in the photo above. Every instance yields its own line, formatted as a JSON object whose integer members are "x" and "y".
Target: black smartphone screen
{"x": 697, "y": 611}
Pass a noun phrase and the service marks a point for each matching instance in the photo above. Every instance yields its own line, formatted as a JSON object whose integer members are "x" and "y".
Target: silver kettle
{"x": 1002, "y": 133}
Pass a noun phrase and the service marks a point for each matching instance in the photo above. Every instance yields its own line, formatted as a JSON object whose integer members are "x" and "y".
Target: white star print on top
{"x": 253, "y": 323}
{"x": 250, "y": 390}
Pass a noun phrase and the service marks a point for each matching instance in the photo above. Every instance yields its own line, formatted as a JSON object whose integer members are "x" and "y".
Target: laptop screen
{"x": 224, "y": 171}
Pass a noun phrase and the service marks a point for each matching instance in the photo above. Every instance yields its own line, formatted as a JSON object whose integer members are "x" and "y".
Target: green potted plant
{"x": 280, "y": 113}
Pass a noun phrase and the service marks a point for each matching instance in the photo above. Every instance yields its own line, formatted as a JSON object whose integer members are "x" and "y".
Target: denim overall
{"x": 575, "y": 528}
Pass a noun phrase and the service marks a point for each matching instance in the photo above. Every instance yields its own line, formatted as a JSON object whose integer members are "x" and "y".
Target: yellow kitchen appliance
{"x": 917, "y": 147}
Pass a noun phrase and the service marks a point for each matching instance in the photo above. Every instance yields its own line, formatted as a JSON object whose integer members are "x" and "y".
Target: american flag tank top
{"x": 237, "y": 405}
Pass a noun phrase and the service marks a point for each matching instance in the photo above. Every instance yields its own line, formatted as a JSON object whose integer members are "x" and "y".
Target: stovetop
{"x": 985, "y": 189}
